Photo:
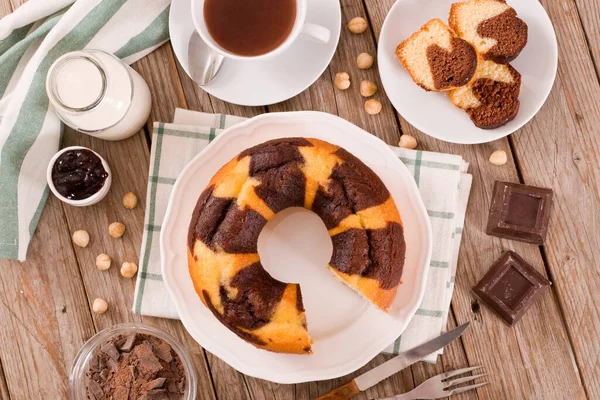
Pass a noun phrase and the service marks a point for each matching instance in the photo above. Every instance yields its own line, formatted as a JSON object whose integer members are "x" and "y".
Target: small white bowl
{"x": 93, "y": 199}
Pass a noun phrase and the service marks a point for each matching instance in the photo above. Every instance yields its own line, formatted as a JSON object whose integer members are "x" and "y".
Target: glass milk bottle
{"x": 96, "y": 93}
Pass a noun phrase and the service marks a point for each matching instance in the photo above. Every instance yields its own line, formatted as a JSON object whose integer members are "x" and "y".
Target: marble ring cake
{"x": 362, "y": 220}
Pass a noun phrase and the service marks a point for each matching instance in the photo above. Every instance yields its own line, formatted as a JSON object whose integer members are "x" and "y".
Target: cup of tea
{"x": 253, "y": 29}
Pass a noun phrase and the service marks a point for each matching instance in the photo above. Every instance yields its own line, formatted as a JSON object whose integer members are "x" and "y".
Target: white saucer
{"x": 259, "y": 83}
{"x": 433, "y": 113}
{"x": 295, "y": 247}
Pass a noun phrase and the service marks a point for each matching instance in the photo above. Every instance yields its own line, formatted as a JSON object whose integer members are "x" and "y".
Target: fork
{"x": 439, "y": 386}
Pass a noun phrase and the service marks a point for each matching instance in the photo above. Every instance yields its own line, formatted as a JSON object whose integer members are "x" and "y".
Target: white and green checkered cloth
{"x": 441, "y": 178}
{"x": 31, "y": 39}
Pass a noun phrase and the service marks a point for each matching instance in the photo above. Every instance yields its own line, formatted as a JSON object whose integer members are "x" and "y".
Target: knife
{"x": 392, "y": 366}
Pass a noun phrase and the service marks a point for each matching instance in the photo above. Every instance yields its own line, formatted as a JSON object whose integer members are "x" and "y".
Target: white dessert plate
{"x": 433, "y": 113}
{"x": 259, "y": 83}
{"x": 295, "y": 247}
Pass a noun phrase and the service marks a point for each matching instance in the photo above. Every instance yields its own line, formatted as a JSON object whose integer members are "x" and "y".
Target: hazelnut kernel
{"x": 116, "y": 230}
{"x": 130, "y": 200}
{"x": 81, "y": 238}
{"x": 128, "y": 269}
{"x": 103, "y": 262}
{"x": 498, "y": 157}
{"x": 373, "y": 106}
{"x": 364, "y": 61}
{"x": 408, "y": 142}
{"x": 342, "y": 80}
{"x": 357, "y": 25}
{"x": 99, "y": 306}
{"x": 367, "y": 88}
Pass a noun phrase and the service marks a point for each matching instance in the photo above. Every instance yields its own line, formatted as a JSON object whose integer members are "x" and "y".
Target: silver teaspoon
{"x": 204, "y": 62}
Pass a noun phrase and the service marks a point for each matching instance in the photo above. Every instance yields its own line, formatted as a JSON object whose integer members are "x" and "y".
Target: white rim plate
{"x": 347, "y": 331}
{"x": 433, "y": 113}
{"x": 264, "y": 82}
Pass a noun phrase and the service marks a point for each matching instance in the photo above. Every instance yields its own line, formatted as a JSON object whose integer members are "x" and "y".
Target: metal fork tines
{"x": 442, "y": 385}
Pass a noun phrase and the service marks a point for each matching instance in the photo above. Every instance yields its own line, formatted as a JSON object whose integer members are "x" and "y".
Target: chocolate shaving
{"x": 163, "y": 351}
{"x": 137, "y": 366}
{"x": 128, "y": 344}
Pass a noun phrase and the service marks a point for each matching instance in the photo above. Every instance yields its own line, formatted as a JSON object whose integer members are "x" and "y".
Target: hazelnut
{"x": 408, "y": 142}
{"x": 128, "y": 269}
{"x": 498, "y": 157}
{"x": 116, "y": 230}
{"x": 130, "y": 200}
{"x": 103, "y": 262}
{"x": 357, "y": 25}
{"x": 81, "y": 238}
{"x": 367, "y": 88}
{"x": 364, "y": 61}
{"x": 342, "y": 80}
{"x": 373, "y": 106}
{"x": 99, "y": 306}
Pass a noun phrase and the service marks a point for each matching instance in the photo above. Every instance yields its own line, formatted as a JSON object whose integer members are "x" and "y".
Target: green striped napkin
{"x": 31, "y": 39}
{"x": 441, "y": 178}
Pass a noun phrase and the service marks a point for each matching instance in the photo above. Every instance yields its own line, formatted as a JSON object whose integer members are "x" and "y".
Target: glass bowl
{"x": 77, "y": 390}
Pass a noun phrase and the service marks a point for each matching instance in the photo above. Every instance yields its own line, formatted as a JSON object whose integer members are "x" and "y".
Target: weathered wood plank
{"x": 589, "y": 13}
{"x": 567, "y": 160}
{"x": 44, "y": 312}
{"x": 350, "y": 104}
{"x": 5, "y": 8}
{"x": 4, "y": 394}
{"x": 515, "y": 374}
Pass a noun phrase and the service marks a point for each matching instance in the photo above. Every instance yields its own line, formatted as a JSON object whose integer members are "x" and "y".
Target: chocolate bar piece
{"x": 510, "y": 287}
{"x": 519, "y": 212}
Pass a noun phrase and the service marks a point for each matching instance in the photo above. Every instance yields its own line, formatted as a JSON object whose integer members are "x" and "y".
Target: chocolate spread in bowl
{"x": 135, "y": 366}
{"x": 78, "y": 174}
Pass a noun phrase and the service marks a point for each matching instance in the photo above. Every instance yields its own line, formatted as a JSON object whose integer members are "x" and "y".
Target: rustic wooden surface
{"x": 553, "y": 353}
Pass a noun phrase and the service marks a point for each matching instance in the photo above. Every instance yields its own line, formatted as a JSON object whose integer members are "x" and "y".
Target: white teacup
{"x": 313, "y": 31}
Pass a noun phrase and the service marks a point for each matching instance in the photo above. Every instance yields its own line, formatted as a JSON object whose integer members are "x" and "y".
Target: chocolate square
{"x": 510, "y": 287}
{"x": 519, "y": 212}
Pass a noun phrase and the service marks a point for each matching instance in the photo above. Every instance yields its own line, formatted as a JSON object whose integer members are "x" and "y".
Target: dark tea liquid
{"x": 249, "y": 27}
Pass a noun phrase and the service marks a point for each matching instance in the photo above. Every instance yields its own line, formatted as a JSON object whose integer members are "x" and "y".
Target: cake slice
{"x": 492, "y": 26}
{"x": 436, "y": 58}
{"x": 492, "y": 98}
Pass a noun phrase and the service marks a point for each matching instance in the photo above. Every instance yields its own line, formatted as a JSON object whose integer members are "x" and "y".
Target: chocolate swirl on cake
{"x": 356, "y": 207}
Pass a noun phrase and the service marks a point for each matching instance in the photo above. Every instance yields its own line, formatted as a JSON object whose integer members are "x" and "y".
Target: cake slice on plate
{"x": 436, "y": 58}
{"x": 492, "y": 98}
{"x": 492, "y": 26}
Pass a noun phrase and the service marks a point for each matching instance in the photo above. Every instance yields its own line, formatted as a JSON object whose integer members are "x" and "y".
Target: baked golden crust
{"x": 357, "y": 209}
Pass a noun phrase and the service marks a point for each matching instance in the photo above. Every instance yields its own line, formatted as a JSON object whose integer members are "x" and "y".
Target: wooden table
{"x": 552, "y": 353}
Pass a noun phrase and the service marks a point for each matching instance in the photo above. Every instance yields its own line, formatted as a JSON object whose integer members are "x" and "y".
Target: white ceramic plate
{"x": 295, "y": 247}
{"x": 433, "y": 113}
{"x": 259, "y": 83}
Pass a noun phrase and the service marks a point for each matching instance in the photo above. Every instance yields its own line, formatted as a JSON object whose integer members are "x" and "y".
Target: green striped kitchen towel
{"x": 31, "y": 39}
{"x": 442, "y": 180}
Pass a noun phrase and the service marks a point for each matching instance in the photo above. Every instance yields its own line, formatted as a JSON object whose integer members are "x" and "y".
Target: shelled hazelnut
{"x": 342, "y": 80}
{"x": 373, "y": 106}
{"x": 116, "y": 230}
{"x": 130, "y": 200}
{"x": 103, "y": 262}
{"x": 499, "y": 157}
{"x": 99, "y": 306}
{"x": 408, "y": 142}
{"x": 367, "y": 88}
{"x": 81, "y": 238}
{"x": 128, "y": 269}
{"x": 357, "y": 25}
{"x": 364, "y": 61}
